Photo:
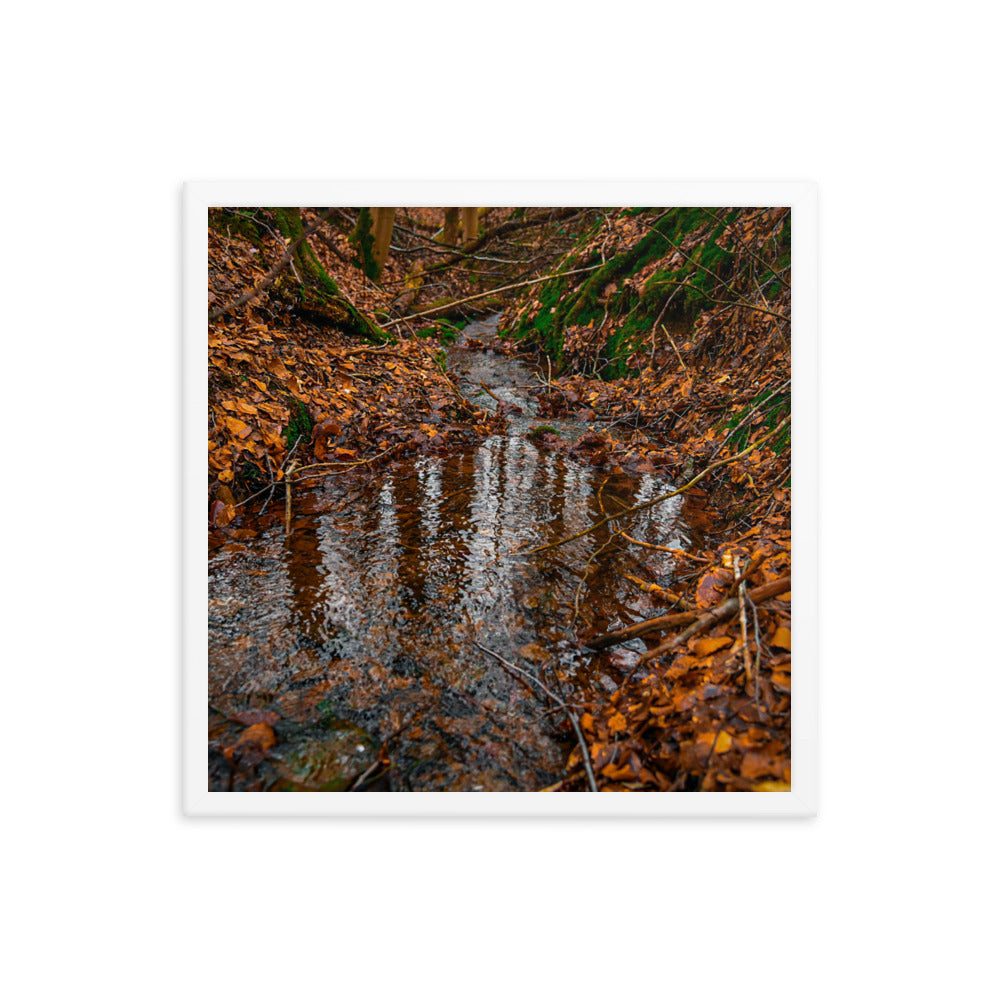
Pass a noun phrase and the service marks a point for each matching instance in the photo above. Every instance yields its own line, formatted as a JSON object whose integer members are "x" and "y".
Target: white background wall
{"x": 109, "y": 108}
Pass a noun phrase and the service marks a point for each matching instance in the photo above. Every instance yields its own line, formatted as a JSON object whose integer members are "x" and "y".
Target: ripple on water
{"x": 369, "y": 614}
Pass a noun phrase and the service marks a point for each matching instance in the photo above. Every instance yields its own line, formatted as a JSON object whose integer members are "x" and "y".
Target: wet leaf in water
{"x": 259, "y": 737}
{"x": 714, "y": 586}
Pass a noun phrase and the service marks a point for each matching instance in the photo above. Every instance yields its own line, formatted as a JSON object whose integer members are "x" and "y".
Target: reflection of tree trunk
{"x": 450, "y": 234}
{"x": 470, "y": 224}
{"x": 383, "y": 236}
{"x": 304, "y": 565}
{"x": 408, "y": 518}
{"x": 458, "y": 509}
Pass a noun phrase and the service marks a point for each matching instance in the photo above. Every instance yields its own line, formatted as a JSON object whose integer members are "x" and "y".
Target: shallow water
{"x": 365, "y": 627}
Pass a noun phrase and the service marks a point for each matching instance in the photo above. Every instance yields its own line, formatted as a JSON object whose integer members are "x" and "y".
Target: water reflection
{"x": 372, "y": 608}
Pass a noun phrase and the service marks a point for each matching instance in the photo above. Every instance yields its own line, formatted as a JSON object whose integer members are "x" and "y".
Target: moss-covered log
{"x": 318, "y": 294}
{"x": 687, "y": 261}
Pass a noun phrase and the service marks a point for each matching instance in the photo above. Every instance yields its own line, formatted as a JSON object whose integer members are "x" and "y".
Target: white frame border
{"x": 803, "y": 799}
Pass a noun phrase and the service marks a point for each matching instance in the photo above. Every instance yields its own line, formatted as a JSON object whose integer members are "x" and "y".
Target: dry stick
{"x": 752, "y": 411}
{"x": 724, "y": 610}
{"x": 748, "y": 570}
{"x": 761, "y": 593}
{"x": 674, "y": 346}
{"x": 268, "y": 278}
{"x": 584, "y": 749}
{"x": 492, "y": 291}
{"x": 499, "y": 230}
{"x": 749, "y": 251}
{"x": 756, "y": 659}
{"x": 288, "y": 500}
{"x": 664, "y": 548}
{"x": 489, "y": 392}
{"x": 342, "y": 465}
{"x": 654, "y": 588}
{"x": 666, "y": 496}
{"x": 742, "y": 594}
{"x": 270, "y": 470}
{"x": 741, "y": 304}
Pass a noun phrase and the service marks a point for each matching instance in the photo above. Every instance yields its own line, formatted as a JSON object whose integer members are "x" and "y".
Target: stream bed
{"x": 361, "y": 640}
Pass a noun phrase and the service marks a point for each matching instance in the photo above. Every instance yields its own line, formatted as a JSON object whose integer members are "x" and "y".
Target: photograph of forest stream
{"x": 499, "y": 499}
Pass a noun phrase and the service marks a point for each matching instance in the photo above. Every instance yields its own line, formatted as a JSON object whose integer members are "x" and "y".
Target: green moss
{"x": 537, "y": 432}
{"x": 239, "y": 222}
{"x": 362, "y": 241}
{"x": 695, "y": 280}
{"x": 773, "y": 407}
{"x": 318, "y": 293}
{"x": 300, "y": 423}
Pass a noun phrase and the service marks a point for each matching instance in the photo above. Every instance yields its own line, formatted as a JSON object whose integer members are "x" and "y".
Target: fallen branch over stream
{"x": 700, "y": 622}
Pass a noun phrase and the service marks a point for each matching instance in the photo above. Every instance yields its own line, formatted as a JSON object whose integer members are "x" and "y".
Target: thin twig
{"x": 251, "y": 294}
{"x": 342, "y": 465}
{"x": 674, "y": 346}
{"x": 584, "y": 749}
{"x": 742, "y": 594}
{"x": 664, "y": 548}
{"x": 288, "y": 500}
{"x": 666, "y": 496}
{"x": 492, "y": 291}
{"x": 270, "y": 471}
{"x": 717, "y": 614}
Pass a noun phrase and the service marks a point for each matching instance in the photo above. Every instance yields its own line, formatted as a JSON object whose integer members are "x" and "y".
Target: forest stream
{"x": 362, "y": 638}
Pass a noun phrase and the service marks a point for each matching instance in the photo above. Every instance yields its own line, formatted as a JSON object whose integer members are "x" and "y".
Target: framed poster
{"x": 498, "y": 499}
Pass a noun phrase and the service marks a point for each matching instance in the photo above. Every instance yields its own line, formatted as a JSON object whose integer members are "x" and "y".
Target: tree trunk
{"x": 384, "y": 218}
{"x": 450, "y": 235}
{"x": 319, "y": 293}
{"x": 470, "y": 224}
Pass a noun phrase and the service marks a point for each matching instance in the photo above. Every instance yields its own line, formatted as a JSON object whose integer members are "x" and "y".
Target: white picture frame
{"x": 801, "y": 196}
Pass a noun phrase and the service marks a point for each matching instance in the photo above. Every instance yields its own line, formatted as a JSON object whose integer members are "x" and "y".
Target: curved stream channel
{"x": 362, "y": 628}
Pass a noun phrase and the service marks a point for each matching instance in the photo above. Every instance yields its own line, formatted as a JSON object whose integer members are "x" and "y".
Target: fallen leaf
{"x": 782, "y": 638}
{"x": 703, "y": 647}
{"x": 772, "y": 786}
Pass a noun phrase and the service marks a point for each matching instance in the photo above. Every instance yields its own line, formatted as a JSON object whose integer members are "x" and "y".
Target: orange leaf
{"x": 260, "y": 736}
{"x": 617, "y": 723}
{"x": 782, "y": 639}
{"x": 722, "y": 743}
{"x": 222, "y": 513}
{"x": 616, "y": 772}
{"x": 238, "y": 427}
{"x": 703, "y": 647}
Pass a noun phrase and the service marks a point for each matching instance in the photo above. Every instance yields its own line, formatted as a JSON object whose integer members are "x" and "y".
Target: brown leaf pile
{"x": 697, "y": 721}
{"x": 270, "y": 369}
